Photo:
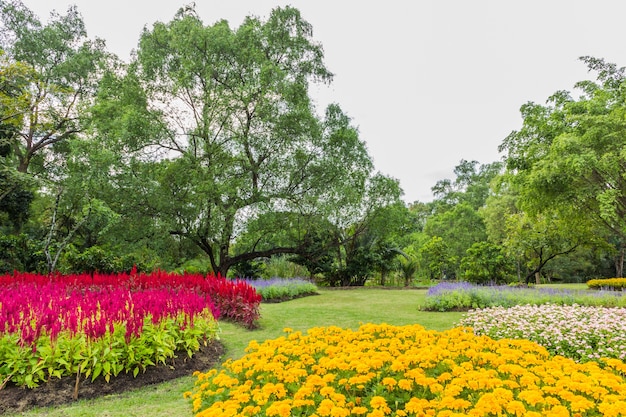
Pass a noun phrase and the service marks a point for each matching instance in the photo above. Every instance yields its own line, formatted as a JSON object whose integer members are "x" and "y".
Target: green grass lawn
{"x": 343, "y": 308}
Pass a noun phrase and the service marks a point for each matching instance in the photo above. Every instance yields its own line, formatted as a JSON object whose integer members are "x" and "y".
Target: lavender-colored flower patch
{"x": 448, "y": 296}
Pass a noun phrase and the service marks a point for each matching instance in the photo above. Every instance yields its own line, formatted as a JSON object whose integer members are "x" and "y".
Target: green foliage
{"x": 464, "y": 297}
{"x": 485, "y": 263}
{"x": 437, "y": 257}
{"x": 283, "y": 289}
{"x": 105, "y": 357}
{"x": 471, "y": 185}
{"x": 248, "y": 269}
{"x": 535, "y": 241}
{"x": 459, "y": 227}
{"x": 568, "y": 156}
{"x": 20, "y": 253}
{"x": 15, "y": 199}
{"x": 254, "y": 161}
{"x": 282, "y": 267}
{"x": 60, "y": 71}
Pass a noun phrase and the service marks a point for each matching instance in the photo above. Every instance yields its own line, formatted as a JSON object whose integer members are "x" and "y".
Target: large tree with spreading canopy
{"x": 238, "y": 138}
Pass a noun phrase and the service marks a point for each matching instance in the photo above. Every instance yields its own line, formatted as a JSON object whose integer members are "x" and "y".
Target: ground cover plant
{"x": 582, "y": 333}
{"x": 384, "y": 370}
{"x": 282, "y": 289}
{"x": 93, "y": 325}
{"x": 449, "y": 296}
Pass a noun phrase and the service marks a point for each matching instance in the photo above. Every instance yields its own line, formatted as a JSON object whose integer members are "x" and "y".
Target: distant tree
{"x": 438, "y": 258}
{"x": 485, "y": 263}
{"x": 59, "y": 73}
{"x": 470, "y": 186}
{"x": 569, "y": 154}
{"x": 541, "y": 239}
{"x": 460, "y": 227}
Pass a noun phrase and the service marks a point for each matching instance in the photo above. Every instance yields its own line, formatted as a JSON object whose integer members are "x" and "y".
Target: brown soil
{"x": 14, "y": 399}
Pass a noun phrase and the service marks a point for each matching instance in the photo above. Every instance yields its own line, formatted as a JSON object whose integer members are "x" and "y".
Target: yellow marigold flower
{"x": 378, "y": 402}
{"x": 328, "y": 378}
{"x": 405, "y": 384}
{"x": 445, "y": 376}
{"x": 453, "y": 390}
{"x": 557, "y": 411}
{"x": 250, "y": 410}
{"x": 288, "y": 330}
{"x": 436, "y": 388}
{"x": 515, "y": 407}
{"x": 339, "y": 412}
{"x": 339, "y": 399}
{"x": 531, "y": 397}
{"x": 389, "y": 382}
{"x": 612, "y": 409}
{"x": 281, "y": 409}
{"x": 580, "y": 403}
{"x": 488, "y": 403}
{"x": 197, "y": 403}
{"x": 325, "y": 407}
{"x": 359, "y": 410}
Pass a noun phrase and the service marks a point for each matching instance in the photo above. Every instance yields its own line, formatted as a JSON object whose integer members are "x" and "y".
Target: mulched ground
{"x": 61, "y": 391}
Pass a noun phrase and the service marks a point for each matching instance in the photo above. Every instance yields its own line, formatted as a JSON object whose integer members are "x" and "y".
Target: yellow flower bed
{"x": 382, "y": 370}
{"x": 614, "y": 283}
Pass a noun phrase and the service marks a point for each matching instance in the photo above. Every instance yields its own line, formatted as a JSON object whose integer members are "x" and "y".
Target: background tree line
{"x": 206, "y": 152}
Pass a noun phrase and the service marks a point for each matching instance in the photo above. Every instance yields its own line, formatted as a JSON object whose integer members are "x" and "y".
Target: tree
{"x": 241, "y": 135}
{"x": 485, "y": 263}
{"x": 460, "y": 227}
{"x": 471, "y": 185}
{"x": 455, "y": 211}
{"x": 438, "y": 258}
{"x": 537, "y": 240}
{"x": 60, "y": 71}
{"x": 568, "y": 156}
{"x": 372, "y": 242}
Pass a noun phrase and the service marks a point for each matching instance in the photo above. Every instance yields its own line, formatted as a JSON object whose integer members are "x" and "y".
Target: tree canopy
{"x": 206, "y": 151}
{"x": 239, "y": 137}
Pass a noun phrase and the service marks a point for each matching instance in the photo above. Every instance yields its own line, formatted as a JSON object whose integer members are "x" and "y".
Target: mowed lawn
{"x": 343, "y": 308}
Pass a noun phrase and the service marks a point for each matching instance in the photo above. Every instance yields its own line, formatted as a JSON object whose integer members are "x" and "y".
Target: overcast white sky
{"x": 428, "y": 83}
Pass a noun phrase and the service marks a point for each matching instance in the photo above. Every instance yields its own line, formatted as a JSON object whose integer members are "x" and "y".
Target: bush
{"x": 448, "y": 296}
{"x": 616, "y": 284}
{"x": 282, "y": 289}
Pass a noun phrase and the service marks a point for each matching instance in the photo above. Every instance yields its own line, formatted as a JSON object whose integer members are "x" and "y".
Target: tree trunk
{"x": 537, "y": 278}
{"x": 619, "y": 263}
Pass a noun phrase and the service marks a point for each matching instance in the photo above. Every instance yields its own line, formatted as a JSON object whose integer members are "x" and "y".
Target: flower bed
{"x": 56, "y": 326}
{"x": 581, "y": 333}
{"x": 450, "y": 296}
{"x": 615, "y": 284}
{"x": 382, "y": 370}
{"x": 282, "y": 289}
